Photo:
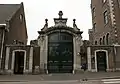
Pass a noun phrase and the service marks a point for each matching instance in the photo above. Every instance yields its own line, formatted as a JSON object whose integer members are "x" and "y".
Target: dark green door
{"x": 60, "y": 56}
{"x": 101, "y": 61}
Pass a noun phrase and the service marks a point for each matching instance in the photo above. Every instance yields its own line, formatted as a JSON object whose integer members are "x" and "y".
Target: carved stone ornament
{"x": 60, "y": 14}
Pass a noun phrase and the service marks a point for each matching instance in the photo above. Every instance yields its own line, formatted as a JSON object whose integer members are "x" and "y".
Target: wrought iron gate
{"x": 60, "y": 53}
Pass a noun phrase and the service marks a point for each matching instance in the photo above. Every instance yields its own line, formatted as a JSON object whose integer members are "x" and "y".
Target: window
{"x": 95, "y": 42}
{"x": 100, "y": 41}
{"x": 107, "y": 39}
{"x": 105, "y": 17}
{"x": 103, "y": 1}
{"x": 94, "y": 27}
{"x": 103, "y": 40}
{"x": 21, "y": 17}
{"x": 60, "y": 37}
{"x": 93, "y": 12}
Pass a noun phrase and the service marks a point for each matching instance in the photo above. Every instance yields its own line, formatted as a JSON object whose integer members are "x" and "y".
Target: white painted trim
{"x": 13, "y": 59}
{"x": 106, "y": 59}
{"x": 2, "y": 24}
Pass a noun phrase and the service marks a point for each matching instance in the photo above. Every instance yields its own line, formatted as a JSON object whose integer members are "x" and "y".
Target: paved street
{"x": 92, "y": 78}
{"x": 52, "y": 82}
{"x": 103, "y": 81}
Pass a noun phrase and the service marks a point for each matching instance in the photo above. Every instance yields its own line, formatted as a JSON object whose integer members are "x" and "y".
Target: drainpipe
{"x": 2, "y": 43}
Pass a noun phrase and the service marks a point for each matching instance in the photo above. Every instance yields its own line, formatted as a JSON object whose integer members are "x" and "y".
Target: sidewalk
{"x": 66, "y": 76}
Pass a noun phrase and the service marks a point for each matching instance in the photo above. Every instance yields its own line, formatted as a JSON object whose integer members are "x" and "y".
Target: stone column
{"x": 25, "y": 70}
{"x": 46, "y": 54}
{"x": 74, "y": 58}
{"x": 12, "y": 62}
{"x": 7, "y": 59}
{"x": 31, "y": 60}
{"x": 89, "y": 58}
{"x": 78, "y": 57}
{"x": 43, "y": 53}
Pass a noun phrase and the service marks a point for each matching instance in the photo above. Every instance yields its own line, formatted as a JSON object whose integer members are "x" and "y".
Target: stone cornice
{"x": 100, "y": 46}
{"x": 59, "y": 28}
{"x": 19, "y": 45}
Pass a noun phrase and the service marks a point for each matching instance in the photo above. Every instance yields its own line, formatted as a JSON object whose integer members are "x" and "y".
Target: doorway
{"x": 101, "y": 61}
{"x": 19, "y": 62}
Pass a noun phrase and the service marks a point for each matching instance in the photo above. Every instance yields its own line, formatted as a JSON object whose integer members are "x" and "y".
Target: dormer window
{"x": 21, "y": 17}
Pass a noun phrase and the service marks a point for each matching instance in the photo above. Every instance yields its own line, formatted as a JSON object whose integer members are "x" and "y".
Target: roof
{"x": 7, "y": 11}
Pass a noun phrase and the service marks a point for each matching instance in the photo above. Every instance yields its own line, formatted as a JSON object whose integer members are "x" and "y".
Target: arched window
{"x": 95, "y": 42}
{"x": 103, "y": 40}
{"x": 105, "y": 17}
{"x": 100, "y": 41}
{"x": 107, "y": 38}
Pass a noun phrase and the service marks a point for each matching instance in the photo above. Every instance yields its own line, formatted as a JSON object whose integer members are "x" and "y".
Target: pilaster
{"x": 74, "y": 47}
{"x": 89, "y": 58}
{"x": 7, "y": 59}
{"x": 43, "y": 53}
{"x": 31, "y": 60}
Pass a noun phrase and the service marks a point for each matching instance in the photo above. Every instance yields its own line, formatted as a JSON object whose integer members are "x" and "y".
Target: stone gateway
{"x": 56, "y": 50}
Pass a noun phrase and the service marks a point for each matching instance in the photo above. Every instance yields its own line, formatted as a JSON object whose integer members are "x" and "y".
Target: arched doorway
{"x": 101, "y": 60}
{"x": 19, "y": 62}
{"x": 60, "y": 53}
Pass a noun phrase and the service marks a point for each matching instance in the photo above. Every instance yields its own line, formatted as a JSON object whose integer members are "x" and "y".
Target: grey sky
{"x": 38, "y": 10}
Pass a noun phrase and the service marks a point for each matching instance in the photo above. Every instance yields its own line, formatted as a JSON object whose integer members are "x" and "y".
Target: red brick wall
{"x": 18, "y": 29}
{"x": 101, "y": 28}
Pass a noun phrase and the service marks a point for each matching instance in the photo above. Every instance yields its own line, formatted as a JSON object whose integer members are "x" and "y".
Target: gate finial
{"x": 60, "y": 14}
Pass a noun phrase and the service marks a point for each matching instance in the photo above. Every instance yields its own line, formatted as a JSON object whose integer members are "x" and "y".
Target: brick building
{"x": 103, "y": 51}
{"x": 12, "y": 28}
{"x": 105, "y": 19}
